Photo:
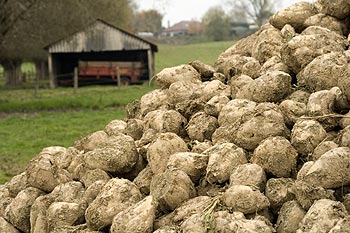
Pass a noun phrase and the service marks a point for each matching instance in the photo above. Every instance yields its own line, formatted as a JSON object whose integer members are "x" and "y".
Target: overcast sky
{"x": 177, "y": 10}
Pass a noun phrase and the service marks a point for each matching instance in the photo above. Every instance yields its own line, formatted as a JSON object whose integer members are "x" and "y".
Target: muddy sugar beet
{"x": 257, "y": 142}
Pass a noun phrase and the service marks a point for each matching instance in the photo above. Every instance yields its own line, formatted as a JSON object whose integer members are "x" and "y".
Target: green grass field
{"x": 23, "y": 136}
{"x": 61, "y": 99}
{"x": 172, "y": 55}
{"x": 58, "y": 117}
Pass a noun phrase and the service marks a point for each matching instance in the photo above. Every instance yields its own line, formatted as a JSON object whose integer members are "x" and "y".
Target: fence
{"x": 30, "y": 80}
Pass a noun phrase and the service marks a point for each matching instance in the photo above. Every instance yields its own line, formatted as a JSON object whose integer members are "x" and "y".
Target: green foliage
{"x": 27, "y": 67}
{"x": 216, "y": 24}
{"x": 148, "y": 21}
{"x": 117, "y": 12}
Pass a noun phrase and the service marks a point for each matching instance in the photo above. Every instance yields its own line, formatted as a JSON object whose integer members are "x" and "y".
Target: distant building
{"x": 242, "y": 29}
{"x": 103, "y": 48}
{"x": 145, "y": 34}
{"x": 183, "y": 28}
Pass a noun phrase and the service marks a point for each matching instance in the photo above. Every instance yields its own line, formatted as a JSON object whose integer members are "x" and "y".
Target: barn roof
{"x": 100, "y": 36}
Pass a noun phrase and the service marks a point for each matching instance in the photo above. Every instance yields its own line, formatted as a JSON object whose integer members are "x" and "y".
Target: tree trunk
{"x": 41, "y": 69}
{"x": 12, "y": 72}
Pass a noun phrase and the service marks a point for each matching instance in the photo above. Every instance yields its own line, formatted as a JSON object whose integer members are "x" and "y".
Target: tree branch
{"x": 9, "y": 16}
{"x": 256, "y": 10}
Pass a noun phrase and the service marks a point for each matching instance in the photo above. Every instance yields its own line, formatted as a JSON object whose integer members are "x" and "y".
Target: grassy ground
{"x": 58, "y": 117}
{"x": 171, "y": 55}
{"x": 29, "y": 123}
{"x": 61, "y": 99}
{"x": 23, "y": 136}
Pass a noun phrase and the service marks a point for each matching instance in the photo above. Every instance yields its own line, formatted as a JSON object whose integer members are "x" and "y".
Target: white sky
{"x": 177, "y": 10}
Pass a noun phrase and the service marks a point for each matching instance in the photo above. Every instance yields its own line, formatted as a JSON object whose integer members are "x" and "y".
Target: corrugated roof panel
{"x": 99, "y": 37}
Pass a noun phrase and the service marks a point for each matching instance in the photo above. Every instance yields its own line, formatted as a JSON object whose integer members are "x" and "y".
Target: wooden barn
{"x": 101, "y": 53}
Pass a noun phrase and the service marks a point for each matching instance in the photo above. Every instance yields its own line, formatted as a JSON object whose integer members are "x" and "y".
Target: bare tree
{"x": 253, "y": 10}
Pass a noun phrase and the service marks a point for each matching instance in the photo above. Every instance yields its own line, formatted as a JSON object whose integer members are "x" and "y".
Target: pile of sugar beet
{"x": 258, "y": 142}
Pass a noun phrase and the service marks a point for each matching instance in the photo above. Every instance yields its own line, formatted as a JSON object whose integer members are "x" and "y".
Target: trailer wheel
{"x": 125, "y": 81}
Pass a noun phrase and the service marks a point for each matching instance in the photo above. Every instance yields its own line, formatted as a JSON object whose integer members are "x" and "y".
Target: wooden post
{"x": 36, "y": 89}
{"x": 118, "y": 76}
{"x": 150, "y": 61}
{"x": 75, "y": 80}
{"x": 51, "y": 74}
{"x": 114, "y": 73}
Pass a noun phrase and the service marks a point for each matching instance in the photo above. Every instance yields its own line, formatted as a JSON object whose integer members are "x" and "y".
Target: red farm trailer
{"x": 107, "y": 72}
